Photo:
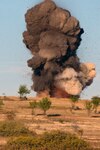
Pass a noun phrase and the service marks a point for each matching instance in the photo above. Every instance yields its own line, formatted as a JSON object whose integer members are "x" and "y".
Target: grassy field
{"x": 59, "y": 117}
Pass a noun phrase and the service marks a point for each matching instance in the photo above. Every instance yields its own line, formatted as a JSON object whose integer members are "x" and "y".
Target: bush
{"x": 74, "y": 99}
{"x": 23, "y": 142}
{"x": 45, "y": 104}
{"x": 33, "y": 105}
{"x": 49, "y": 141}
{"x": 13, "y": 128}
{"x": 95, "y": 102}
{"x": 88, "y": 107}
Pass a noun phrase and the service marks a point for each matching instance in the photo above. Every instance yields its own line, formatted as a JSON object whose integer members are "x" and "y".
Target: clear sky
{"x": 14, "y": 55}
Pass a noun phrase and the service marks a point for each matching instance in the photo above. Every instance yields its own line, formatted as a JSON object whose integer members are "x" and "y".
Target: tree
{"x": 33, "y": 105}
{"x": 88, "y": 106}
{"x": 74, "y": 99}
{"x": 95, "y": 102}
{"x": 23, "y": 91}
{"x": 45, "y": 104}
{"x": 4, "y": 95}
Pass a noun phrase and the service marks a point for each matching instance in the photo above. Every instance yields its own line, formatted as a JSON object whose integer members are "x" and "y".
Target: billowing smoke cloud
{"x": 53, "y": 36}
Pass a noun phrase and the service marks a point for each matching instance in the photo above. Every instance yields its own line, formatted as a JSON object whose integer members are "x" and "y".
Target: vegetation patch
{"x": 45, "y": 104}
{"x": 13, "y": 128}
{"x": 49, "y": 141}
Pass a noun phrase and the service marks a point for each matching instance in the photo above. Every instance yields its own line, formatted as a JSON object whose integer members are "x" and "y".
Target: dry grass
{"x": 59, "y": 117}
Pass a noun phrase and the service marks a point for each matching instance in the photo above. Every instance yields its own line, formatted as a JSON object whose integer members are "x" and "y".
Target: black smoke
{"x": 53, "y": 37}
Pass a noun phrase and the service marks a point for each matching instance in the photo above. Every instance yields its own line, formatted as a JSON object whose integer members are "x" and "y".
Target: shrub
{"x": 74, "y": 99}
{"x": 45, "y": 104}
{"x": 95, "y": 102}
{"x": 49, "y": 141}
{"x": 23, "y": 142}
{"x": 13, "y": 128}
{"x": 33, "y": 105}
{"x": 88, "y": 106}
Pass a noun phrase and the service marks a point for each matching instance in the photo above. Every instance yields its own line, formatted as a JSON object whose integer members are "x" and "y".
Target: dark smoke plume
{"x": 53, "y": 36}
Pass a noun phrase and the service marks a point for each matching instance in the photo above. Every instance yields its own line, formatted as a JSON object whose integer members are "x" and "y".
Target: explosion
{"x": 53, "y": 37}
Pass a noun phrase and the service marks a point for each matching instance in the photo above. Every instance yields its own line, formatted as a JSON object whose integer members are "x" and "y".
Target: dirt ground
{"x": 59, "y": 117}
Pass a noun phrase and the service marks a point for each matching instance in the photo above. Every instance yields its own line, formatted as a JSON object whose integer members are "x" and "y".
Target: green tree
{"x": 95, "y": 102}
{"x": 88, "y": 107}
{"x": 45, "y": 104}
{"x": 23, "y": 91}
{"x": 74, "y": 99}
{"x": 33, "y": 105}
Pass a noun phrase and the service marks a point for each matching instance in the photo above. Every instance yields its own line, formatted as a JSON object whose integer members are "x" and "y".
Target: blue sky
{"x": 14, "y": 55}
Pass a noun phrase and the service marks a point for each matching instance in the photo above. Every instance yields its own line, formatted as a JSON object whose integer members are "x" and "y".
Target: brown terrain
{"x": 59, "y": 117}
